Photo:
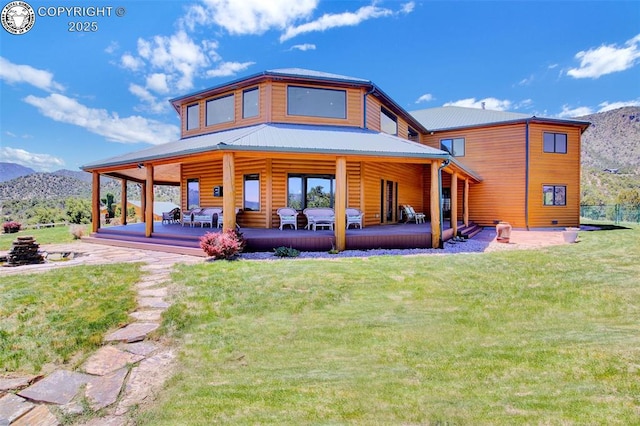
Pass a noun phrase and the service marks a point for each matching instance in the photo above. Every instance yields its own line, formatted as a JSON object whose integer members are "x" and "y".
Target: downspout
{"x": 445, "y": 163}
{"x": 364, "y": 118}
{"x": 526, "y": 175}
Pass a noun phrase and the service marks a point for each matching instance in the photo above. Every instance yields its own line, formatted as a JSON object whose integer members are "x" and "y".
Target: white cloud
{"x": 408, "y": 7}
{"x": 304, "y": 47}
{"x": 14, "y": 73}
{"x": 249, "y": 16}
{"x": 606, "y": 106}
{"x": 425, "y": 98}
{"x": 112, "y": 47}
{"x": 607, "y": 59}
{"x": 226, "y": 69}
{"x": 131, "y": 129}
{"x": 151, "y": 101}
{"x": 39, "y": 162}
{"x": 328, "y": 21}
{"x": 158, "y": 82}
{"x": 568, "y": 112}
{"x": 489, "y": 103}
{"x": 130, "y": 62}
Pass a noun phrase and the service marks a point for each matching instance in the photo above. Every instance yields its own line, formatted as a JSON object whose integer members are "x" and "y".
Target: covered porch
{"x": 185, "y": 240}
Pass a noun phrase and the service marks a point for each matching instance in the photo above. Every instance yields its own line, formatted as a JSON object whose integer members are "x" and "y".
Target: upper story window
{"x": 221, "y": 110}
{"x": 555, "y": 142}
{"x": 193, "y": 116}
{"x": 313, "y": 102}
{"x": 388, "y": 122}
{"x": 250, "y": 103}
{"x": 454, "y": 146}
{"x": 413, "y": 135}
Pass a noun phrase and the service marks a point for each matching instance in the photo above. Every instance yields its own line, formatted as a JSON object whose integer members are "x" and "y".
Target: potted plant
{"x": 11, "y": 227}
{"x": 570, "y": 234}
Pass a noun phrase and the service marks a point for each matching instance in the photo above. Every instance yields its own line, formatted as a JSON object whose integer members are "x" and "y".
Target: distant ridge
{"x": 10, "y": 171}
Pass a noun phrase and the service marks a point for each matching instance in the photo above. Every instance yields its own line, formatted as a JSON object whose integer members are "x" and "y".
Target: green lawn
{"x": 59, "y": 316}
{"x": 518, "y": 337}
{"x": 55, "y": 235}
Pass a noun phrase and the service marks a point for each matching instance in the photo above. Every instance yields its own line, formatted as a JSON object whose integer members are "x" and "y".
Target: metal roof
{"x": 286, "y": 138}
{"x": 452, "y": 117}
{"x": 305, "y": 73}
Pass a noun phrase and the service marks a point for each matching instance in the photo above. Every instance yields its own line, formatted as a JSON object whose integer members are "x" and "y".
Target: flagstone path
{"x": 126, "y": 371}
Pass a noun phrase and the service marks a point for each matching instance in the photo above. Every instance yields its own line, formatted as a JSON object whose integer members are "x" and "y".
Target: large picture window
{"x": 453, "y": 146}
{"x": 314, "y": 102}
{"x": 193, "y": 116}
{"x": 252, "y": 192}
{"x": 220, "y": 110}
{"x": 554, "y": 195}
{"x": 250, "y": 102}
{"x": 193, "y": 193}
{"x": 555, "y": 142}
{"x": 388, "y": 122}
{"x": 311, "y": 191}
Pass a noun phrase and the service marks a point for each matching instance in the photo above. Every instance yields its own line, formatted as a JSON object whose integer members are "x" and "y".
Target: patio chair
{"x": 172, "y": 216}
{"x": 354, "y": 217}
{"x": 319, "y": 217}
{"x": 207, "y": 216}
{"x": 411, "y": 215}
{"x": 187, "y": 217}
{"x": 221, "y": 217}
{"x": 288, "y": 216}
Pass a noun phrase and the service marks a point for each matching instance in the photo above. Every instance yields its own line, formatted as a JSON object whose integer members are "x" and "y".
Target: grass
{"x": 58, "y": 316}
{"x": 519, "y": 337}
{"x": 54, "y": 235}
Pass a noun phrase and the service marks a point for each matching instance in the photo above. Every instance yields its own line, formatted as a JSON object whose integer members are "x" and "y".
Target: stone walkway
{"x": 125, "y": 372}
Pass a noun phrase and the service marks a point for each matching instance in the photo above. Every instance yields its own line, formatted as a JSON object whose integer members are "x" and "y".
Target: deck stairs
{"x": 469, "y": 231}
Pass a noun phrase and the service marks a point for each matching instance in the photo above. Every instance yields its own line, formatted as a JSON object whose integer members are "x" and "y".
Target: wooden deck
{"x": 178, "y": 239}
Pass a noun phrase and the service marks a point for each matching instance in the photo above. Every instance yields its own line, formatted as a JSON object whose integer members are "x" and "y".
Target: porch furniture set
{"x": 318, "y": 217}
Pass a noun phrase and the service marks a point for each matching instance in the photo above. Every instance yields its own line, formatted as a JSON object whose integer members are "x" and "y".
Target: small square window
{"x": 554, "y": 195}
{"x": 250, "y": 103}
{"x": 555, "y": 143}
{"x": 454, "y": 147}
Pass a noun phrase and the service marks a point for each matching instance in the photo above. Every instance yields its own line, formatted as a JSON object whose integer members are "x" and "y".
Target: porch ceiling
{"x": 167, "y": 174}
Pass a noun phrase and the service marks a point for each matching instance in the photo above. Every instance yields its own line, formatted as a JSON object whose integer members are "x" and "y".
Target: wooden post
{"x": 340, "y": 204}
{"x": 268, "y": 181}
{"x": 228, "y": 192}
{"x": 95, "y": 202}
{"x": 465, "y": 205}
{"x": 123, "y": 200}
{"x": 454, "y": 203}
{"x": 148, "y": 210}
{"x": 436, "y": 237}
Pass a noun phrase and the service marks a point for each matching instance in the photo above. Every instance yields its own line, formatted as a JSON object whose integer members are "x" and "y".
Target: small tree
{"x": 78, "y": 210}
{"x": 108, "y": 201}
{"x": 222, "y": 245}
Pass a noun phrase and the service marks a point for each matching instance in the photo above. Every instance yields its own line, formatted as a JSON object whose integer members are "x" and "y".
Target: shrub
{"x": 11, "y": 227}
{"x": 222, "y": 245}
{"x": 286, "y": 252}
{"x": 77, "y": 231}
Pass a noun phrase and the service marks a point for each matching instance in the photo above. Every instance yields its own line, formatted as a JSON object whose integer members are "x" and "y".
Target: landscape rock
{"x": 103, "y": 391}
{"x": 133, "y": 332}
{"x": 60, "y": 387}
{"x": 109, "y": 359}
{"x": 39, "y": 416}
{"x": 12, "y": 407}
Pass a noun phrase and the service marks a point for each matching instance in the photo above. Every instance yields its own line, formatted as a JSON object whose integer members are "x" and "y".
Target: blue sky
{"x": 73, "y": 97}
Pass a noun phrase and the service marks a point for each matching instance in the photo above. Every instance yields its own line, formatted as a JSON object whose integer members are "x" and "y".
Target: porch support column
{"x": 340, "y": 204}
{"x": 148, "y": 209}
{"x": 123, "y": 201}
{"x": 269, "y": 201}
{"x": 143, "y": 200}
{"x": 436, "y": 236}
{"x": 465, "y": 205}
{"x": 228, "y": 191}
{"x": 454, "y": 203}
{"x": 95, "y": 201}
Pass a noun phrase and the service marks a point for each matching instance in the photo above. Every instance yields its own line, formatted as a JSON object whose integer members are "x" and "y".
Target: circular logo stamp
{"x": 18, "y": 17}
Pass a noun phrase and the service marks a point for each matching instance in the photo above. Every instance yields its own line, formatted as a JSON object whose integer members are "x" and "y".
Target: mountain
{"x": 613, "y": 140}
{"x": 44, "y": 186}
{"x": 80, "y": 175}
{"x": 10, "y": 171}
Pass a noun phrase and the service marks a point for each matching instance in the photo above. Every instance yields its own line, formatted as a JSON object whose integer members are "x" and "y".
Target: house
{"x": 299, "y": 138}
